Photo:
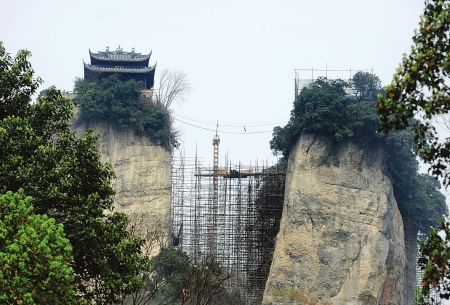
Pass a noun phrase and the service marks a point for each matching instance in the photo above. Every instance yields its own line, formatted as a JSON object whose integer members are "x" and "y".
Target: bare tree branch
{"x": 173, "y": 86}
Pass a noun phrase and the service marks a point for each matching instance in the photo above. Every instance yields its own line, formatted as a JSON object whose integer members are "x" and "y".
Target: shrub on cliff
{"x": 324, "y": 107}
{"x": 336, "y": 109}
{"x": 117, "y": 102}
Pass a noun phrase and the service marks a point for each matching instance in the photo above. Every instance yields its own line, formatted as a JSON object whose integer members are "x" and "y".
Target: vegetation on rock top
{"x": 340, "y": 110}
{"x": 118, "y": 102}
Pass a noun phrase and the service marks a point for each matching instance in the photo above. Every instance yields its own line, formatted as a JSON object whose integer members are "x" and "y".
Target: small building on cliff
{"x": 129, "y": 65}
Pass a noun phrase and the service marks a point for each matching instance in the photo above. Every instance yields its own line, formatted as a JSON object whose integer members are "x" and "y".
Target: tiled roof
{"x": 118, "y": 69}
{"x": 119, "y": 56}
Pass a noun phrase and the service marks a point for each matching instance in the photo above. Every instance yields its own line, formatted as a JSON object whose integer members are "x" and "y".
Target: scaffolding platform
{"x": 232, "y": 213}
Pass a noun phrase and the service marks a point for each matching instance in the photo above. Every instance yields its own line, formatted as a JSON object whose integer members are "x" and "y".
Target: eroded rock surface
{"x": 341, "y": 236}
{"x": 143, "y": 170}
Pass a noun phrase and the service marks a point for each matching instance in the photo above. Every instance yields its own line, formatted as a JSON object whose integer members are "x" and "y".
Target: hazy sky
{"x": 240, "y": 56}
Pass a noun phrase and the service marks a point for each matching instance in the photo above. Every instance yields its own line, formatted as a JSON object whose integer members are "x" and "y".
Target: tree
{"x": 172, "y": 270}
{"x": 418, "y": 197}
{"x": 154, "y": 248}
{"x": 67, "y": 181}
{"x": 366, "y": 86}
{"x": 110, "y": 99}
{"x": 419, "y": 88}
{"x": 174, "y": 86}
{"x": 34, "y": 255}
{"x": 434, "y": 262}
{"x": 316, "y": 108}
{"x": 168, "y": 270}
{"x": 324, "y": 107}
{"x": 17, "y": 83}
{"x": 206, "y": 282}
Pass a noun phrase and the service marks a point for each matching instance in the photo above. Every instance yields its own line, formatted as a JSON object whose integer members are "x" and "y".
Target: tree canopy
{"x": 420, "y": 90}
{"x": 17, "y": 83}
{"x": 172, "y": 271}
{"x": 434, "y": 262}
{"x": 366, "y": 86}
{"x": 418, "y": 195}
{"x": 67, "y": 181}
{"x": 118, "y": 102}
{"x": 35, "y": 255}
{"x": 324, "y": 107}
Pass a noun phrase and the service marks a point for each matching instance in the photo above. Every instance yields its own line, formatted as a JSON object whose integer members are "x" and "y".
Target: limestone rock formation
{"x": 341, "y": 236}
{"x": 143, "y": 170}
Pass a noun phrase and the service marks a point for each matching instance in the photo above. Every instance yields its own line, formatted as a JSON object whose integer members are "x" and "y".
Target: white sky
{"x": 240, "y": 56}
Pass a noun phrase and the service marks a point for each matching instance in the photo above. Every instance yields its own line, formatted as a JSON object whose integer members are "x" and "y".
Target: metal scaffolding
{"x": 231, "y": 212}
{"x": 305, "y": 77}
{"x": 412, "y": 276}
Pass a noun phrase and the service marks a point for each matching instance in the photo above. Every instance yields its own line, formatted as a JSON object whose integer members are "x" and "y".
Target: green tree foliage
{"x": 172, "y": 270}
{"x": 117, "y": 102}
{"x": 325, "y": 107}
{"x": 418, "y": 196}
{"x": 434, "y": 262}
{"x": 67, "y": 181}
{"x": 34, "y": 255}
{"x": 420, "y": 90}
{"x": 17, "y": 83}
{"x": 366, "y": 86}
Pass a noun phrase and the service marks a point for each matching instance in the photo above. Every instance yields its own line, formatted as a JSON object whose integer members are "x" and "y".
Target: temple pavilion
{"x": 128, "y": 65}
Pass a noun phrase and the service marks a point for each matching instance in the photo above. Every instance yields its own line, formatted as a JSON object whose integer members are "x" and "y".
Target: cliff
{"x": 341, "y": 235}
{"x": 143, "y": 170}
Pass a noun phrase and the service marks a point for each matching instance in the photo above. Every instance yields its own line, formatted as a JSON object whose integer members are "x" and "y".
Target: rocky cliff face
{"x": 143, "y": 170}
{"x": 341, "y": 236}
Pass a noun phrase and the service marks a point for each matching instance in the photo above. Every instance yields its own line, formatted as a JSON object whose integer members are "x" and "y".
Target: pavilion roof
{"x": 119, "y": 69}
{"x": 119, "y": 55}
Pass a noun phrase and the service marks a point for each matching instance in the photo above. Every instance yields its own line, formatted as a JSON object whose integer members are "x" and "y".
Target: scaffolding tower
{"x": 232, "y": 213}
{"x": 412, "y": 276}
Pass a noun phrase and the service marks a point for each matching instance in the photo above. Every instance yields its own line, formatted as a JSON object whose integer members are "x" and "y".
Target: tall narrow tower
{"x": 215, "y": 197}
{"x": 216, "y": 142}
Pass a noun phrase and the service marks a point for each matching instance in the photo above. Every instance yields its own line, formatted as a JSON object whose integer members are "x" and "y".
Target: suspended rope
{"x": 233, "y": 132}
{"x": 240, "y": 125}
